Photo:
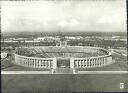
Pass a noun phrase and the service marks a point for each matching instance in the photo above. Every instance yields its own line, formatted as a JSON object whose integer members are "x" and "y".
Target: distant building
{"x": 40, "y": 38}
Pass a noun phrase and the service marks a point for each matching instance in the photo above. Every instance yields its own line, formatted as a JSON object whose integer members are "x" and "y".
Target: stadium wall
{"x": 50, "y": 63}
{"x": 91, "y": 62}
{"x": 35, "y": 62}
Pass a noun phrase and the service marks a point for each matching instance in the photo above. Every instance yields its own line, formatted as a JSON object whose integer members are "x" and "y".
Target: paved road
{"x": 24, "y": 72}
{"x": 80, "y": 72}
{"x": 103, "y": 72}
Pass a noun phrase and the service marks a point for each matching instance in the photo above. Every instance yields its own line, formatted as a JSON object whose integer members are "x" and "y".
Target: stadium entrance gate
{"x": 63, "y": 62}
{"x": 63, "y": 66}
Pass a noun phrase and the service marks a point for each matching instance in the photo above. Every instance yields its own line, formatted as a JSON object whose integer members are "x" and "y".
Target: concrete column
{"x": 74, "y": 63}
{"x": 27, "y": 62}
{"x": 104, "y": 60}
{"x": 97, "y": 61}
{"x": 80, "y": 63}
{"x": 85, "y": 62}
{"x": 71, "y": 62}
{"x": 23, "y": 61}
{"x": 89, "y": 63}
{"x": 74, "y": 72}
{"x": 109, "y": 59}
{"x": 15, "y": 59}
{"x": 35, "y": 63}
{"x": 48, "y": 63}
{"x": 30, "y": 60}
{"x": 93, "y": 62}
{"x": 100, "y": 61}
{"x": 39, "y": 63}
{"x": 77, "y": 62}
{"x": 54, "y": 63}
{"x": 44, "y": 63}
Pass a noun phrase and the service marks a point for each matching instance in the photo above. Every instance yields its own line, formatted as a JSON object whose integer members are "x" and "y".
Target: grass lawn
{"x": 31, "y": 83}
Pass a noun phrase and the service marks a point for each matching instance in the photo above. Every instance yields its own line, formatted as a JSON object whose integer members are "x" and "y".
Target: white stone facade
{"x": 35, "y": 62}
{"x": 51, "y": 63}
{"x": 91, "y": 62}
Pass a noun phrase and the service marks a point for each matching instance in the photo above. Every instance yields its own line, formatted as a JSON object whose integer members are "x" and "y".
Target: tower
{"x": 63, "y": 42}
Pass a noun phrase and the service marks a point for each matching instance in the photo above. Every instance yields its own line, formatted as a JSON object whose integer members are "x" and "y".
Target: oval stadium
{"x": 70, "y": 58}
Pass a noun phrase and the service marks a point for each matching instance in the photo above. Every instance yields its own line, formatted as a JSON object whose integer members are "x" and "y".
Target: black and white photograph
{"x": 63, "y": 46}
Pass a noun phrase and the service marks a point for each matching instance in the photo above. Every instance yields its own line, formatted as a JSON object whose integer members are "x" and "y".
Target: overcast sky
{"x": 88, "y": 15}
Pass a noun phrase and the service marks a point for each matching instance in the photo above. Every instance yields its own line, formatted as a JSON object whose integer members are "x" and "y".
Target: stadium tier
{"x": 53, "y": 57}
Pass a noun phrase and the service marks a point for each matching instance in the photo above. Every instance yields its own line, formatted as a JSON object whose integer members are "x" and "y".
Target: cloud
{"x": 68, "y": 23}
{"x": 75, "y": 15}
{"x": 111, "y": 19}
